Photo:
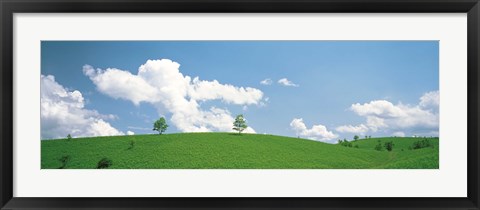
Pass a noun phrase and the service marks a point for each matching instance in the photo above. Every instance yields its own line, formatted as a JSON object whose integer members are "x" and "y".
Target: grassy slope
{"x": 226, "y": 150}
{"x": 405, "y": 157}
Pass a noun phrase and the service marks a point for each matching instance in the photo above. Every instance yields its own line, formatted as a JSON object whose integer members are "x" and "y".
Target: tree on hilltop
{"x": 239, "y": 124}
{"x": 160, "y": 125}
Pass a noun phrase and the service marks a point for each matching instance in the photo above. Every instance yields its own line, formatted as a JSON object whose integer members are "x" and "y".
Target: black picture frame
{"x": 9, "y": 7}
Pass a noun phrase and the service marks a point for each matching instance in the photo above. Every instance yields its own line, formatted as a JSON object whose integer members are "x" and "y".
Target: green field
{"x": 232, "y": 151}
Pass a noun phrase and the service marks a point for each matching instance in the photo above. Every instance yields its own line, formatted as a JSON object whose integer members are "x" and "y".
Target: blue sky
{"x": 337, "y": 89}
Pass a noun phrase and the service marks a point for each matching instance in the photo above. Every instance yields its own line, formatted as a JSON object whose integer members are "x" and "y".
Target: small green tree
{"x": 239, "y": 124}
{"x": 69, "y": 137}
{"x": 356, "y": 137}
{"x": 160, "y": 125}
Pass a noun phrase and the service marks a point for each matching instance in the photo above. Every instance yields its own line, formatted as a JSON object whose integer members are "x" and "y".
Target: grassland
{"x": 231, "y": 151}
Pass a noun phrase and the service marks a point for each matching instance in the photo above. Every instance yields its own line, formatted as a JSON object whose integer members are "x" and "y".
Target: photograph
{"x": 237, "y": 104}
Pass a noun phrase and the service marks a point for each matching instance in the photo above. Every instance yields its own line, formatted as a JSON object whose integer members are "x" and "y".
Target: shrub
{"x": 104, "y": 163}
{"x": 132, "y": 144}
{"x": 64, "y": 160}
{"x": 422, "y": 144}
{"x": 69, "y": 137}
{"x": 345, "y": 143}
{"x": 356, "y": 146}
{"x": 389, "y": 145}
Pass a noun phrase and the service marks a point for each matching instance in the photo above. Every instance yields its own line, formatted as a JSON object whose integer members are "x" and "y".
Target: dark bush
{"x": 389, "y": 145}
{"x": 104, "y": 163}
{"x": 64, "y": 160}
{"x": 422, "y": 144}
{"x": 345, "y": 143}
{"x": 132, "y": 144}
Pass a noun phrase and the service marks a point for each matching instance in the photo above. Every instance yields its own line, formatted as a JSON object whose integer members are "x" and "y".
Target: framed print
{"x": 239, "y": 105}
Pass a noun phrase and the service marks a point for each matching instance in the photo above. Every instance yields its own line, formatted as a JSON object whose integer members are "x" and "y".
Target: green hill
{"x": 232, "y": 151}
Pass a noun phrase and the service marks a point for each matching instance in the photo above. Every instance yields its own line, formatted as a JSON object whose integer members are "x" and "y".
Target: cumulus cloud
{"x": 374, "y": 123}
{"x": 286, "y": 82}
{"x": 430, "y": 100}
{"x": 62, "y": 112}
{"x": 130, "y": 133}
{"x": 213, "y": 90}
{"x": 267, "y": 81}
{"x": 360, "y": 129}
{"x": 382, "y": 114}
{"x": 317, "y": 132}
{"x": 399, "y": 116}
{"x": 160, "y": 83}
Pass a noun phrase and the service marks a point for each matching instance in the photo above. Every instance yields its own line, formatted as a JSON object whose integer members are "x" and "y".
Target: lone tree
{"x": 239, "y": 124}
{"x": 160, "y": 125}
{"x": 356, "y": 137}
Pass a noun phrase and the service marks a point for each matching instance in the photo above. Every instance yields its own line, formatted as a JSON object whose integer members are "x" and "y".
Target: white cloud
{"x": 382, "y": 114}
{"x": 249, "y": 130}
{"x": 374, "y": 123}
{"x": 130, "y": 133}
{"x": 286, "y": 82}
{"x": 430, "y": 100}
{"x": 62, "y": 112}
{"x": 121, "y": 84}
{"x": 360, "y": 129}
{"x": 399, "y": 134}
{"x": 212, "y": 90}
{"x": 397, "y": 116}
{"x": 267, "y": 81}
{"x": 160, "y": 83}
{"x": 317, "y": 132}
